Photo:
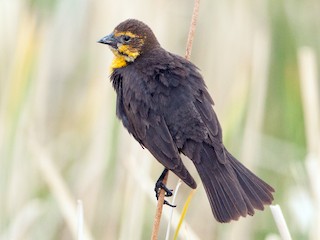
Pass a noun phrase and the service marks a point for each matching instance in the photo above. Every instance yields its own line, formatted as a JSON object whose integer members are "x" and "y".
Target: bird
{"x": 163, "y": 102}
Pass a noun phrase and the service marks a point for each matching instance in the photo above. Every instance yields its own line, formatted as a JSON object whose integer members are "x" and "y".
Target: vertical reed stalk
{"x": 193, "y": 24}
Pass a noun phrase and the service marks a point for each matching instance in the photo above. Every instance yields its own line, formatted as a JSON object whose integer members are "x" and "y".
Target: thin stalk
{"x": 194, "y": 19}
{"x": 157, "y": 218}
{"x": 281, "y": 222}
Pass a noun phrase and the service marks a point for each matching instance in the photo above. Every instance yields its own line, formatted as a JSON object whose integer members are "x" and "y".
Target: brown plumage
{"x": 163, "y": 102}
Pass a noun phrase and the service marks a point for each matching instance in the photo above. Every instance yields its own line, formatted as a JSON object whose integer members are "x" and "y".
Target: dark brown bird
{"x": 163, "y": 102}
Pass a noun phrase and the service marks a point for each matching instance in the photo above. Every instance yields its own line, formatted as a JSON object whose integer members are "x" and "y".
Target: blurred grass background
{"x": 60, "y": 140}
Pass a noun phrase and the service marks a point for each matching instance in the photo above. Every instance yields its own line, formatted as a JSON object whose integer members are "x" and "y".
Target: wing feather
{"x": 149, "y": 127}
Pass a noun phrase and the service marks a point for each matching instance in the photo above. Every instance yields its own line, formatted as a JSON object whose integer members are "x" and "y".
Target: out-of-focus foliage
{"x": 60, "y": 140}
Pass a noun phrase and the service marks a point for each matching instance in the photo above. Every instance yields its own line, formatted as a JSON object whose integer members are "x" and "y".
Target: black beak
{"x": 109, "y": 40}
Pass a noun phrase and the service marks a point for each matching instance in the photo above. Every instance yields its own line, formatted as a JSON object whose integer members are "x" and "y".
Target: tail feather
{"x": 232, "y": 190}
{"x": 259, "y": 191}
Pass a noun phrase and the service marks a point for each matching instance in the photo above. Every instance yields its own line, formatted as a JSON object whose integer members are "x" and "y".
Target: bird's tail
{"x": 232, "y": 189}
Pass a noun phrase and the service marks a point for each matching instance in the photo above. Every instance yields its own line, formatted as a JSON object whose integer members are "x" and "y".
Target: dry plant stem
{"x": 310, "y": 99}
{"x": 80, "y": 220}
{"x": 281, "y": 222}
{"x": 156, "y": 223}
{"x": 58, "y": 188}
{"x": 192, "y": 29}
{"x": 157, "y": 218}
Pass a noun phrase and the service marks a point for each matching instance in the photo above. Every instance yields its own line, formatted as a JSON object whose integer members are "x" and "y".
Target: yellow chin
{"x": 122, "y": 56}
{"x": 118, "y": 62}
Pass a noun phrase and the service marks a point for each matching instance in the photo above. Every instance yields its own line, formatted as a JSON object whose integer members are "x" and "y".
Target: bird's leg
{"x": 160, "y": 185}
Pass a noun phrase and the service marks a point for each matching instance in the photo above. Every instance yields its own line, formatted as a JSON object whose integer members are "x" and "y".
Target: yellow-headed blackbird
{"x": 163, "y": 102}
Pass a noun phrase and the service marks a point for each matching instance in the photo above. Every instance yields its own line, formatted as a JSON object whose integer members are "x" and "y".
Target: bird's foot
{"x": 160, "y": 185}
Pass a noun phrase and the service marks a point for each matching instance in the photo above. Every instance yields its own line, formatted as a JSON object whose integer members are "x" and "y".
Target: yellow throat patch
{"x": 118, "y": 61}
{"x": 124, "y": 53}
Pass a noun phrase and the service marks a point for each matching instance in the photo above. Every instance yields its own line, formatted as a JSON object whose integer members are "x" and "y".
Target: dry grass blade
{"x": 310, "y": 100}
{"x": 184, "y": 212}
{"x": 171, "y": 210}
{"x": 281, "y": 222}
{"x": 310, "y": 97}
{"x": 80, "y": 220}
{"x": 59, "y": 189}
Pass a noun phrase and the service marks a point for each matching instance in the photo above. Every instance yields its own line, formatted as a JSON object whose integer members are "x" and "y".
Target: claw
{"x": 169, "y": 204}
{"x": 160, "y": 185}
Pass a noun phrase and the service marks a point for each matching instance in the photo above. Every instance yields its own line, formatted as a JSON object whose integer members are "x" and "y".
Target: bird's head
{"x": 128, "y": 41}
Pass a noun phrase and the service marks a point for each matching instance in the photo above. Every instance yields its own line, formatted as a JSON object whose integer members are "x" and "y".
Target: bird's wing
{"x": 204, "y": 105}
{"x": 197, "y": 120}
{"x": 150, "y": 129}
{"x": 194, "y": 87}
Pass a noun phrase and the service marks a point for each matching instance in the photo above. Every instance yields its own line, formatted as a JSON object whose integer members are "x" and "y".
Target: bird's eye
{"x": 126, "y": 38}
